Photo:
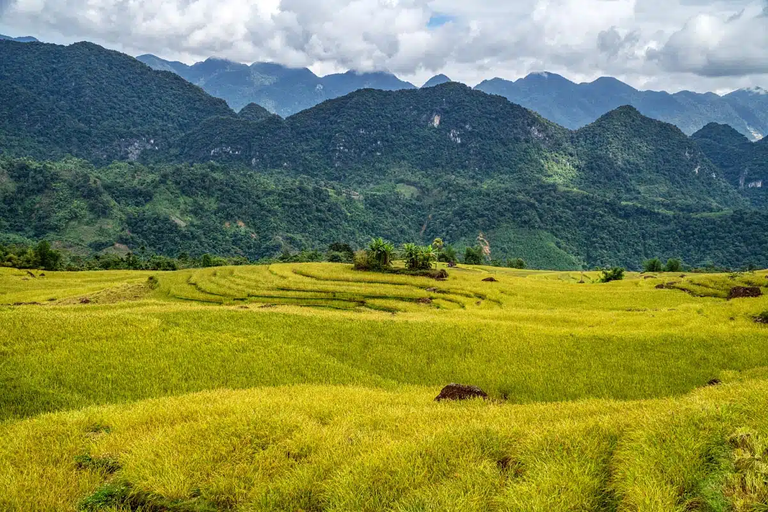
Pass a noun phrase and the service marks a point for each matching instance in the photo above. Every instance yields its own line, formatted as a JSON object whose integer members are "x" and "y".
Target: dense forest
{"x": 158, "y": 164}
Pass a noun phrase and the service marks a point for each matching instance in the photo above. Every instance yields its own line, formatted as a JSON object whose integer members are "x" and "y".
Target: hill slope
{"x": 91, "y": 102}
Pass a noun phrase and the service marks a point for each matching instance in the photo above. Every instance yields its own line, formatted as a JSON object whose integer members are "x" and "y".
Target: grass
{"x": 310, "y": 387}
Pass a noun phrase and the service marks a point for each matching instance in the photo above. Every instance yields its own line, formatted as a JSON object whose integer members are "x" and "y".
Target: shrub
{"x": 516, "y": 263}
{"x": 653, "y": 265}
{"x": 673, "y": 265}
{"x": 360, "y": 261}
{"x": 612, "y": 274}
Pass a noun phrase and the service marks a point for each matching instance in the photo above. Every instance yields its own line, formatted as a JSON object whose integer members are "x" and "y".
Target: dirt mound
{"x": 460, "y": 392}
{"x": 741, "y": 292}
{"x": 424, "y": 300}
{"x": 490, "y": 280}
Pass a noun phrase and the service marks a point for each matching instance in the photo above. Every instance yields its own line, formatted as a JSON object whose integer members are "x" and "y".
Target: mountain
{"x": 752, "y": 105}
{"x": 649, "y": 162}
{"x": 23, "y": 39}
{"x": 254, "y": 112}
{"x": 576, "y": 105}
{"x": 744, "y": 163}
{"x": 453, "y": 129}
{"x": 448, "y": 129}
{"x": 436, "y": 80}
{"x": 280, "y": 89}
{"x": 86, "y": 101}
{"x": 409, "y": 165}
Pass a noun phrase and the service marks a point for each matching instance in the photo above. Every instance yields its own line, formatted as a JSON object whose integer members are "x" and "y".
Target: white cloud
{"x": 697, "y": 44}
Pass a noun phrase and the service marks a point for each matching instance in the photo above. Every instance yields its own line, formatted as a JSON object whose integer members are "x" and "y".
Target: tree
{"x": 447, "y": 255}
{"x": 418, "y": 258}
{"x": 673, "y": 265}
{"x": 473, "y": 255}
{"x": 653, "y": 265}
{"x": 613, "y": 274}
{"x": 516, "y": 263}
{"x": 380, "y": 253}
{"x": 46, "y": 257}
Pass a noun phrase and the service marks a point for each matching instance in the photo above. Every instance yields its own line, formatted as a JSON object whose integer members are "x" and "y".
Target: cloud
{"x": 719, "y": 46}
{"x": 660, "y": 42}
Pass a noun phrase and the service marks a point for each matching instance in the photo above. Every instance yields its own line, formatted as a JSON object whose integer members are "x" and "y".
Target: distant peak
{"x": 436, "y": 80}
{"x": 755, "y": 90}
{"x": 254, "y": 112}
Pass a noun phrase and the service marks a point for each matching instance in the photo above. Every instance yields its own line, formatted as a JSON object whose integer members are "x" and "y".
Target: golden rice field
{"x": 310, "y": 387}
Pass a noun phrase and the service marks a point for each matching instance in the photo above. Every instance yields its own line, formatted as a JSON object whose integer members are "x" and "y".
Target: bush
{"x": 360, "y": 261}
{"x": 418, "y": 258}
{"x": 613, "y": 274}
{"x": 516, "y": 263}
{"x": 653, "y": 265}
{"x": 673, "y": 265}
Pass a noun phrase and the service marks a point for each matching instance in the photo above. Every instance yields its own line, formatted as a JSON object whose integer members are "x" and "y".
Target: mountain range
{"x": 281, "y": 90}
{"x": 286, "y": 91}
{"x": 161, "y": 164}
{"x": 23, "y": 39}
{"x": 575, "y": 105}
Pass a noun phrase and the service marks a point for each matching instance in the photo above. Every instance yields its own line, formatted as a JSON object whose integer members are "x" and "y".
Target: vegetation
{"x": 612, "y": 274}
{"x": 181, "y": 390}
{"x": 412, "y": 165}
{"x": 653, "y": 265}
{"x": 90, "y": 102}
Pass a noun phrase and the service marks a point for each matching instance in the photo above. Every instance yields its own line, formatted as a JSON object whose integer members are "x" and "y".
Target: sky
{"x": 700, "y": 45}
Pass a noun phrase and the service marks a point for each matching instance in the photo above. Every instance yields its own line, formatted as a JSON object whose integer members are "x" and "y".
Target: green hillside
{"x": 90, "y": 102}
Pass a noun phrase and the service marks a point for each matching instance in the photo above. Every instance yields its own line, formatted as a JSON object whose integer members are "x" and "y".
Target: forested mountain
{"x": 638, "y": 159}
{"x": 450, "y": 129}
{"x": 86, "y": 101}
{"x": 744, "y": 163}
{"x": 409, "y": 165}
{"x": 575, "y": 105}
{"x": 280, "y": 89}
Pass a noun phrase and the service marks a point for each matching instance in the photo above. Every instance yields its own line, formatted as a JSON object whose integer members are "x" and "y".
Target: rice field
{"x": 311, "y": 386}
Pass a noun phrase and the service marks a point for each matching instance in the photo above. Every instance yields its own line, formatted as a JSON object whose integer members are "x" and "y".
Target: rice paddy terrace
{"x": 311, "y": 387}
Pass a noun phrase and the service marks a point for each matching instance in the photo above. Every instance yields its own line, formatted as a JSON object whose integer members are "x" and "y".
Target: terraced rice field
{"x": 311, "y": 386}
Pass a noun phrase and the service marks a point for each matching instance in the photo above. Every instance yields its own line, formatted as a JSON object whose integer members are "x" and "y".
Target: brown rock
{"x": 460, "y": 392}
{"x": 490, "y": 280}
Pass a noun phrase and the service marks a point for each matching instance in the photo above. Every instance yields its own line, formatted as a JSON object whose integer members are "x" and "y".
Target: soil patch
{"x": 460, "y": 392}
{"x": 741, "y": 292}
